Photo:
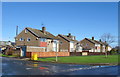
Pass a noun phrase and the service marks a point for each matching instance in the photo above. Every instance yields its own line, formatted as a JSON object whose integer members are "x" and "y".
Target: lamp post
{"x": 56, "y": 52}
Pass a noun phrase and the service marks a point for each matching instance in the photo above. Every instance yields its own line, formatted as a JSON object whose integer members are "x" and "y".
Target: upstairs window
{"x": 28, "y": 39}
{"x": 43, "y": 39}
{"x": 86, "y": 44}
{"x": 61, "y": 42}
{"x": 55, "y": 42}
{"x": 96, "y": 47}
{"x": 21, "y": 39}
{"x": 26, "y": 31}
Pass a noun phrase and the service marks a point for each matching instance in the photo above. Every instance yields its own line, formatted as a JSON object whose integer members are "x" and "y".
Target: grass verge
{"x": 9, "y": 55}
{"x": 83, "y": 59}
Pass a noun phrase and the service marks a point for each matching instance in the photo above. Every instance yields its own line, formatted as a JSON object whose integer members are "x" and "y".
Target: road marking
{"x": 28, "y": 68}
{"x": 76, "y": 69}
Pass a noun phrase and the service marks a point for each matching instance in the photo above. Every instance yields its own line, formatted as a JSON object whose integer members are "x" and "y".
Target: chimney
{"x": 69, "y": 34}
{"x": 43, "y": 29}
{"x": 92, "y": 38}
{"x": 74, "y": 38}
{"x": 100, "y": 40}
{"x": 105, "y": 41}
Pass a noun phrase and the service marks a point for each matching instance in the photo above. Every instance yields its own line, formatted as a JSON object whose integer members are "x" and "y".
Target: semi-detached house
{"x": 69, "y": 43}
{"x": 94, "y": 46}
{"x": 38, "y": 41}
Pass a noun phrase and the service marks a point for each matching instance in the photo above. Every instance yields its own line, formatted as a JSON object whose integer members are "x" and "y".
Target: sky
{"x": 81, "y": 19}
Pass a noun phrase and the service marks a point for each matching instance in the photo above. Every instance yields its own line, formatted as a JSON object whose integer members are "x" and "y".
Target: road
{"x": 12, "y": 66}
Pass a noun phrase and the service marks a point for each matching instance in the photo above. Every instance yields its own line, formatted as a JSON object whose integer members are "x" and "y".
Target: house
{"x": 109, "y": 48}
{"x": 2, "y": 48}
{"x": 104, "y": 46}
{"x": 6, "y": 43}
{"x": 68, "y": 43}
{"x": 93, "y": 46}
{"x": 37, "y": 41}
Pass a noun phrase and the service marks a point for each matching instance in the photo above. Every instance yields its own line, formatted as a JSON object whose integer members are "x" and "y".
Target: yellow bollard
{"x": 35, "y": 57}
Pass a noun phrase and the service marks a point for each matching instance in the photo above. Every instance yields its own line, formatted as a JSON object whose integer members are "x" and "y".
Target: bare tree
{"x": 108, "y": 38}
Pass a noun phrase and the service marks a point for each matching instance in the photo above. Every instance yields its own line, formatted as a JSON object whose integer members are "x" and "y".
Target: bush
{"x": 113, "y": 52}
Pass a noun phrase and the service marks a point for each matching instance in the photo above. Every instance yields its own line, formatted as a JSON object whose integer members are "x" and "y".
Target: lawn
{"x": 83, "y": 59}
{"x": 8, "y": 55}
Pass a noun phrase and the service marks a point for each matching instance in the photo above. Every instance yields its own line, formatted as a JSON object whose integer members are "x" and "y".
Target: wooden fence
{"x": 47, "y": 54}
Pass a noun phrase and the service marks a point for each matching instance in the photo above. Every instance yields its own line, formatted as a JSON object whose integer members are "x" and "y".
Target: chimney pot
{"x": 92, "y": 38}
{"x": 100, "y": 40}
{"x": 69, "y": 34}
{"x": 43, "y": 29}
{"x": 105, "y": 41}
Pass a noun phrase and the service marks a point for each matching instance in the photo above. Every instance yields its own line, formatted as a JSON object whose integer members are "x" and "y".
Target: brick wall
{"x": 48, "y": 54}
{"x": 96, "y": 53}
{"x": 28, "y": 54}
{"x": 75, "y": 53}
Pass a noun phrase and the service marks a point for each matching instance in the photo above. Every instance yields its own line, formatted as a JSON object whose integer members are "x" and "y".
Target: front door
{"x": 23, "y": 51}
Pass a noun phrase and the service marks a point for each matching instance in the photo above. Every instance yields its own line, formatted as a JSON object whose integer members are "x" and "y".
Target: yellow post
{"x": 35, "y": 57}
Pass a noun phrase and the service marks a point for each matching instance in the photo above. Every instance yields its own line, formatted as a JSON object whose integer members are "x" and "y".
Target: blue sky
{"x": 82, "y": 19}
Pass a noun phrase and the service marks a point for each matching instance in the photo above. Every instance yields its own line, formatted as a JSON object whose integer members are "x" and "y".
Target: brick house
{"x": 69, "y": 43}
{"x": 93, "y": 45}
{"x": 37, "y": 41}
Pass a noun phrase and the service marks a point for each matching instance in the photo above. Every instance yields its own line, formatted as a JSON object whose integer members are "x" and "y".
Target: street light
{"x": 56, "y": 52}
{"x": 55, "y": 41}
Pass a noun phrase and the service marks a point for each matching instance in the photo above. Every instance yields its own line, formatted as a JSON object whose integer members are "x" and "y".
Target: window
{"x": 54, "y": 49}
{"x": 96, "y": 47}
{"x": 71, "y": 49}
{"x": 55, "y": 42}
{"x": 61, "y": 42}
{"x": 21, "y": 39}
{"x": 42, "y": 39}
{"x": 28, "y": 39}
{"x": 26, "y": 31}
{"x": 86, "y": 44}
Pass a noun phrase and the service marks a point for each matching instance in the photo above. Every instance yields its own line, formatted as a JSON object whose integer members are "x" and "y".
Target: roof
{"x": 5, "y": 42}
{"x": 67, "y": 38}
{"x": 100, "y": 42}
{"x": 92, "y": 41}
{"x": 96, "y": 41}
{"x": 39, "y": 33}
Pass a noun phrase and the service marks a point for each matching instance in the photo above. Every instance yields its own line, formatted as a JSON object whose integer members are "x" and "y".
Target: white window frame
{"x": 21, "y": 39}
{"x": 41, "y": 39}
{"x": 26, "y": 31}
{"x": 28, "y": 39}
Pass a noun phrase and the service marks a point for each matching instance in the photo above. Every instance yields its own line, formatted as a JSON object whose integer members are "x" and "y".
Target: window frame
{"x": 26, "y": 31}
{"x": 28, "y": 39}
{"x": 43, "y": 39}
{"x": 21, "y": 39}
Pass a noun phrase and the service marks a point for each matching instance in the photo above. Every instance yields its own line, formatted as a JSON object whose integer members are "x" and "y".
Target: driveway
{"x": 12, "y": 66}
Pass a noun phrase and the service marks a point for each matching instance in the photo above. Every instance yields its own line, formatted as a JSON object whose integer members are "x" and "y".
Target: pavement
{"x": 12, "y": 66}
